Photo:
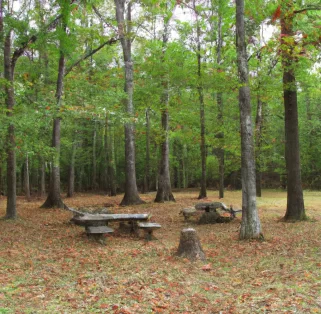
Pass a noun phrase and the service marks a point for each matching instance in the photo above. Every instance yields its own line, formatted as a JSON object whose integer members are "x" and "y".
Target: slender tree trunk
{"x": 295, "y": 205}
{"x": 71, "y": 175}
{"x": 147, "y": 158}
{"x": 250, "y": 226}
{"x": 164, "y": 191}
{"x": 54, "y": 197}
{"x": 11, "y": 211}
{"x": 131, "y": 196}
{"x": 202, "y": 193}
{"x": 112, "y": 163}
{"x": 220, "y": 117}
{"x": 26, "y": 179}
{"x": 42, "y": 177}
{"x": 94, "y": 171}
{"x": 258, "y": 142}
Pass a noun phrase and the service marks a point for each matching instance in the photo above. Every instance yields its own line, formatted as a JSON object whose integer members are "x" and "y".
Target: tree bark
{"x": 164, "y": 191}
{"x": 250, "y": 226}
{"x": 131, "y": 196}
{"x": 258, "y": 142}
{"x": 54, "y": 197}
{"x": 11, "y": 211}
{"x": 94, "y": 170}
{"x": 147, "y": 158}
{"x": 203, "y": 193}
{"x": 220, "y": 116}
{"x": 295, "y": 204}
{"x": 71, "y": 174}
{"x": 26, "y": 179}
{"x": 190, "y": 246}
{"x": 42, "y": 177}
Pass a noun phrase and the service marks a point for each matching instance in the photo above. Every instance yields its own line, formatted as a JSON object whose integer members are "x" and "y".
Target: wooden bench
{"x": 148, "y": 228}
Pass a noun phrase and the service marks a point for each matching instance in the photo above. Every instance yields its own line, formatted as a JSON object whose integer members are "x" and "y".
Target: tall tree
{"x": 295, "y": 204}
{"x": 250, "y": 226}
{"x": 200, "y": 90}
{"x": 164, "y": 189}
{"x": 54, "y": 197}
{"x": 131, "y": 196}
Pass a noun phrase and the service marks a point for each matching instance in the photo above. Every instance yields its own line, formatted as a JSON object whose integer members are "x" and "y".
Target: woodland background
{"x": 200, "y": 53}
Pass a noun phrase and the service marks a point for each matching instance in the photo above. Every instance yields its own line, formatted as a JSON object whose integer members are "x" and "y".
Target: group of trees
{"x": 128, "y": 95}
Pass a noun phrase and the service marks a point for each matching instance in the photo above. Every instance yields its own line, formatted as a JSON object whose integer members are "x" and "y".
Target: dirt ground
{"x": 48, "y": 265}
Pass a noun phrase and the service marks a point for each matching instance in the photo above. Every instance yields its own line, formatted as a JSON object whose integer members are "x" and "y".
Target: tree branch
{"x": 307, "y": 9}
{"x": 90, "y": 53}
{"x": 19, "y": 51}
{"x": 103, "y": 19}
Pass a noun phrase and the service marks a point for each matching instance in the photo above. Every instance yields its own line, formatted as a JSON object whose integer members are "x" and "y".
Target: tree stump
{"x": 190, "y": 246}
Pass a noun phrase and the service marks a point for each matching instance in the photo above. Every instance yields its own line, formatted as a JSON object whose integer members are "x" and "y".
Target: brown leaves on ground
{"x": 50, "y": 266}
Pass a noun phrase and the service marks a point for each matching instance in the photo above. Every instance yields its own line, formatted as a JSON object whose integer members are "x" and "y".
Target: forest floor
{"x": 48, "y": 265}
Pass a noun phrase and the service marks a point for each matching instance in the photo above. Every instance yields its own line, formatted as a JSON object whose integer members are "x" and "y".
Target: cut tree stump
{"x": 190, "y": 246}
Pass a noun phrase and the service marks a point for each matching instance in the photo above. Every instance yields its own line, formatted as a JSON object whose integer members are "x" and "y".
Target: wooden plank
{"x": 88, "y": 219}
{"x": 99, "y": 229}
{"x": 149, "y": 225}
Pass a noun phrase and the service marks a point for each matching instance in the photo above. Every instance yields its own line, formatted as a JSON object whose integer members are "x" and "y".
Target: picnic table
{"x": 97, "y": 224}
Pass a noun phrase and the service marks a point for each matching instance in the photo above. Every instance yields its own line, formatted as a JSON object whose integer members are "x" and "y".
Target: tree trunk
{"x": 71, "y": 175}
{"x": 94, "y": 171}
{"x": 26, "y": 179}
{"x": 295, "y": 205}
{"x": 220, "y": 117}
{"x": 11, "y": 211}
{"x": 250, "y": 226}
{"x": 147, "y": 158}
{"x": 42, "y": 177}
{"x": 112, "y": 164}
{"x": 164, "y": 191}
{"x": 54, "y": 197}
{"x": 202, "y": 193}
{"x": 258, "y": 142}
{"x": 131, "y": 196}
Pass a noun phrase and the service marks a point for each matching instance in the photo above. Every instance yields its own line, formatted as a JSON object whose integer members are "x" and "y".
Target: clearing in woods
{"x": 48, "y": 265}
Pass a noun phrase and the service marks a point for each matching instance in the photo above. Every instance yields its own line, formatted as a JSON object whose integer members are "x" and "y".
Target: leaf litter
{"x": 50, "y": 266}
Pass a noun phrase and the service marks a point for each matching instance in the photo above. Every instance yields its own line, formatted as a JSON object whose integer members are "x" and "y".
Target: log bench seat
{"x": 188, "y": 212}
{"x": 148, "y": 228}
{"x": 98, "y": 232}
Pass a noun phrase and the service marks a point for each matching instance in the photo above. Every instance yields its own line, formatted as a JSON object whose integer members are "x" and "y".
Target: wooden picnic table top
{"x": 92, "y": 218}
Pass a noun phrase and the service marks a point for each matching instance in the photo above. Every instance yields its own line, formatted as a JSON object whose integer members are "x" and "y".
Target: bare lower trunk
{"x": 42, "y": 178}
{"x": 220, "y": 116}
{"x": 147, "y": 158}
{"x": 71, "y": 176}
{"x": 54, "y": 197}
{"x": 295, "y": 205}
{"x": 11, "y": 211}
{"x": 258, "y": 142}
{"x": 250, "y": 226}
{"x": 164, "y": 191}
{"x": 220, "y": 152}
{"x": 26, "y": 179}
{"x": 94, "y": 171}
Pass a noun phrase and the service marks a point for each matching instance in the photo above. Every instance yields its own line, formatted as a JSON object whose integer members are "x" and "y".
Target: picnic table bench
{"x": 96, "y": 224}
